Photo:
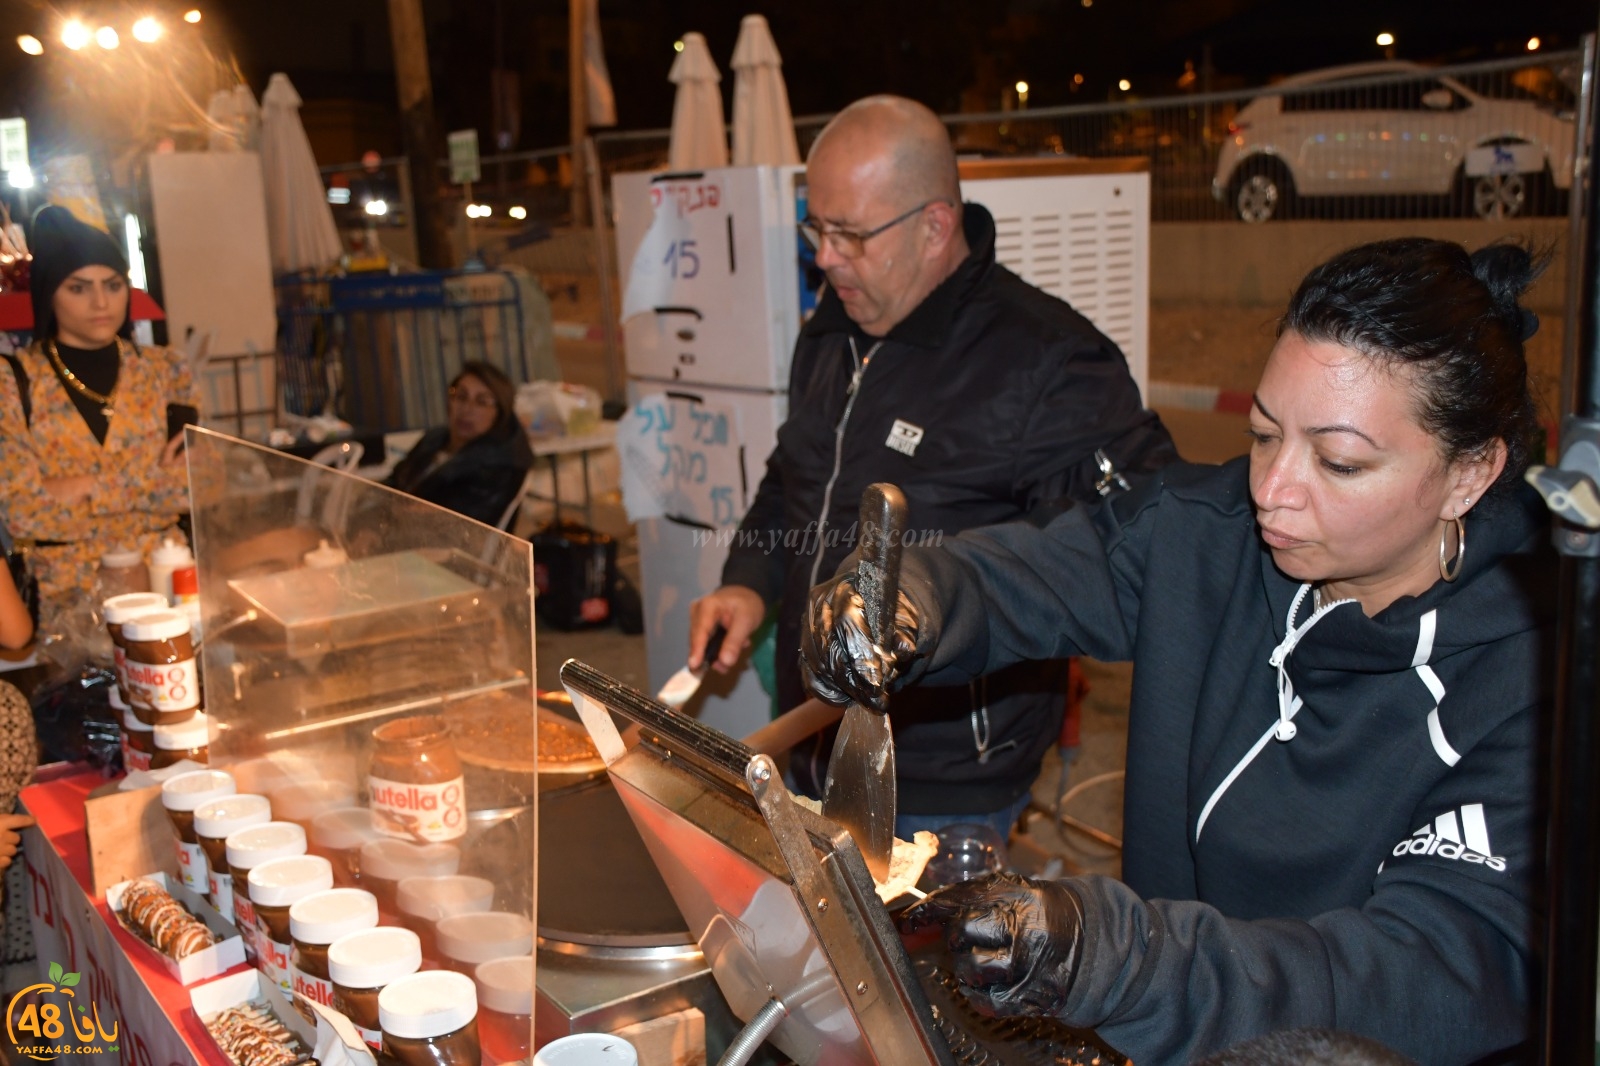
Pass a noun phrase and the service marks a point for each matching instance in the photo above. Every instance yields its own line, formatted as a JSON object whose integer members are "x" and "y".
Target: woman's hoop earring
{"x": 1446, "y": 571}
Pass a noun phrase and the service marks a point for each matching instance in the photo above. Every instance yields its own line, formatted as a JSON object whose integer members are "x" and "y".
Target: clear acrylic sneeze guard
{"x": 403, "y": 609}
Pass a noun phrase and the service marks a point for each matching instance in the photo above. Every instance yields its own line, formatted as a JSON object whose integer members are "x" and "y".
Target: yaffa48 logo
{"x": 45, "y": 1020}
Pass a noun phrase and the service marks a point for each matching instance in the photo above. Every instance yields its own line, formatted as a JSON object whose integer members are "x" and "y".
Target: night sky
{"x": 951, "y": 54}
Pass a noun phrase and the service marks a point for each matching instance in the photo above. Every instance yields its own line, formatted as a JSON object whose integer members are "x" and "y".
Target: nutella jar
{"x": 138, "y": 742}
{"x": 361, "y": 965}
{"x": 385, "y": 863}
{"x": 214, "y": 823}
{"x": 315, "y": 922}
{"x": 414, "y": 785}
{"x": 275, "y": 887}
{"x": 181, "y": 796}
{"x": 421, "y": 902}
{"x": 505, "y": 1007}
{"x": 469, "y": 939}
{"x": 247, "y": 849}
{"x": 338, "y": 836}
{"x": 189, "y": 739}
{"x": 431, "y": 1019}
{"x": 163, "y": 675}
{"x": 301, "y": 803}
{"x": 117, "y": 612}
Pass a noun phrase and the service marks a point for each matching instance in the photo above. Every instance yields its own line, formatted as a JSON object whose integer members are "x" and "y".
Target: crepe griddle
{"x": 600, "y": 894}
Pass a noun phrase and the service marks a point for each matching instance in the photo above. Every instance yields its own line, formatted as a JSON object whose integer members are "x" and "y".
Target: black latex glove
{"x": 1014, "y": 941}
{"x": 838, "y": 660}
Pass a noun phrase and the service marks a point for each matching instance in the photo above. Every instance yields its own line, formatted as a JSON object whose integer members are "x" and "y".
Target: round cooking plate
{"x": 600, "y": 894}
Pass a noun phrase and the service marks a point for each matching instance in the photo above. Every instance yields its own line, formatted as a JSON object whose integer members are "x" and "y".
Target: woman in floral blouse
{"x": 86, "y": 465}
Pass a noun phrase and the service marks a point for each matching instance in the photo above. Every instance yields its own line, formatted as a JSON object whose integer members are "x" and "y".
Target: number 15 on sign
{"x": 682, "y": 259}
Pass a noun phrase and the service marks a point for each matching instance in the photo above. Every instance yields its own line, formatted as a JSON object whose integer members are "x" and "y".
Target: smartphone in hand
{"x": 178, "y": 416}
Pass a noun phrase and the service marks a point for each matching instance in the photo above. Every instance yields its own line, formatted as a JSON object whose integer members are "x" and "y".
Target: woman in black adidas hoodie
{"x": 1341, "y": 660}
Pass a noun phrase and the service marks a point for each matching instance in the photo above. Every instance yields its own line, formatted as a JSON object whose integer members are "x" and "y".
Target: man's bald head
{"x": 899, "y": 142}
{"x": 883, "y": 174}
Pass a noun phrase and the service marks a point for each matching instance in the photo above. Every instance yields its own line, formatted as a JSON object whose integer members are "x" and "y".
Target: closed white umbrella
{"x": 763, "y": 127}
{"x": 299, "y": 225}
{"x": 235, "y": 120}
{"x": 699, "y": 135}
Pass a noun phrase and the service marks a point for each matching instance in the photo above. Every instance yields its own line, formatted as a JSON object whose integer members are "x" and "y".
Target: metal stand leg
{"x": 588, "y": 498}
{"x": 555, "y": 486}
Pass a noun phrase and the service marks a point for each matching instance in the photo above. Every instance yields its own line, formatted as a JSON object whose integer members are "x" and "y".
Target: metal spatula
{"x": 860, "y": 793}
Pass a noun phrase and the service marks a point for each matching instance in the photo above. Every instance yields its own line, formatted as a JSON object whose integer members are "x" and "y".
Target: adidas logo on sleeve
{"x": 1464, "y": 839}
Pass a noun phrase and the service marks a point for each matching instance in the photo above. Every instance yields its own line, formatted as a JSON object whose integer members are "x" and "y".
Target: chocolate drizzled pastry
{"x": 250, "y": 1035}
{"x": 163, "y": 921}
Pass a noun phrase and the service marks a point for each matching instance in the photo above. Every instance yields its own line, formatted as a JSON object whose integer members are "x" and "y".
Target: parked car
{"x": 1350, "y": 131}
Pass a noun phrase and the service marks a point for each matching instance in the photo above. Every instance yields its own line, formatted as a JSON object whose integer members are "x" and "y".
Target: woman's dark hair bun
{"x": 1508, "y": 270}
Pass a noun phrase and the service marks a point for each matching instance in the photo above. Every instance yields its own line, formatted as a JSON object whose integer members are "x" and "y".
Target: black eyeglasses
{"x": 848, "y": 243}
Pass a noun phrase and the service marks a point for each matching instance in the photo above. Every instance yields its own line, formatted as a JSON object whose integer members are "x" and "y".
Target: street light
{"x": 31, "y": 44}
{"x": 1533, "y": 44}
{"x": 1124, "y": 84}
{"x": 191, "y": 16}
{"x": 1385, "y": 39}
{"x": 75, "y": 34}
{"x": 519, "y": 212}
{"x": 106, "y": 38}
{"x": 147, "y": 30}
{"x": 377, "y": 208}
{"x": 677, "y": 46}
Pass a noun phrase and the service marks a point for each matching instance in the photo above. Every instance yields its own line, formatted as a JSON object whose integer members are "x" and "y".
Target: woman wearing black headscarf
{"x": 86, "y": 463}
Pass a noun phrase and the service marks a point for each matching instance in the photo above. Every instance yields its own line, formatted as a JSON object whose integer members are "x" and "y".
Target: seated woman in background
{"x": 87, "y": 463}
{"x": 474, "y": 465}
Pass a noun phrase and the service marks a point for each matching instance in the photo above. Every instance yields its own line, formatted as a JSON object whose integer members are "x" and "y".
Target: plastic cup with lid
{"x": 587, "y": 1049}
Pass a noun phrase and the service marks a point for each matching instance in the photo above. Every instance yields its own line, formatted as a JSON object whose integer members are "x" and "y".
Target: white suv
{"x": 1427, "y": 135}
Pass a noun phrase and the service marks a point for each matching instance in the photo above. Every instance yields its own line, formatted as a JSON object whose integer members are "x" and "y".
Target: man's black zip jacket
{"x": 986, "y": 404}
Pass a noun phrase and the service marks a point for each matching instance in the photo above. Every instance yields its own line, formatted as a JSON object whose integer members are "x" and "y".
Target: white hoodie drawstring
{"x": 1288, "y": 703}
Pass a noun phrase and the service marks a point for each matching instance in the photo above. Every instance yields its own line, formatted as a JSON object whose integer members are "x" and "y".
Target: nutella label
{"x": 220, "y": 888}
{"x": 373, "y": 1037}
{"x": 315, "y": 989}
{"x": 192, "y": 864}
{"x": 244, "y": 917}
{"x": 418, "y": 812}
{"x": 274, "y": 961}
{"x": 119, "y": 666}
{"x": 134, "y": 759}
{"x": 174, "y": 687}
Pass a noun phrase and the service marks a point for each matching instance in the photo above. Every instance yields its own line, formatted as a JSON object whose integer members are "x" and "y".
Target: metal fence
{"x": 1371, "y": 141}
{"x": 385, "y": 347}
